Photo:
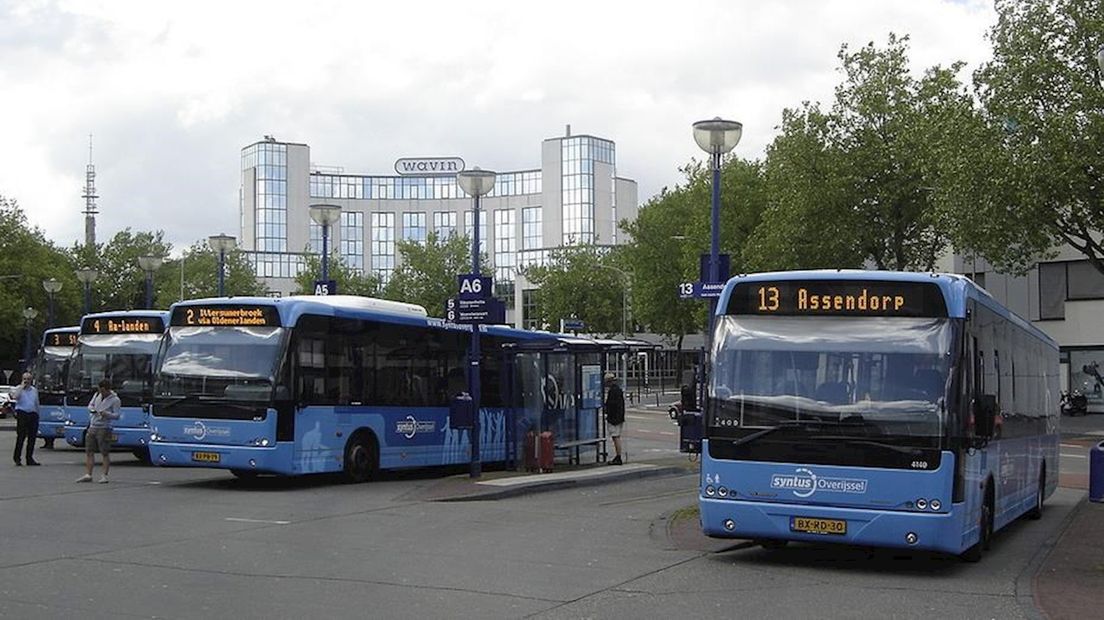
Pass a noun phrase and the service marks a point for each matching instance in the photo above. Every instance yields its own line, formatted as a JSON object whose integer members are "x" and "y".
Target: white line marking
{"x": 1074, "y": 456}
{"x": 153, "y": 482}
{"x": 240, "y": 520}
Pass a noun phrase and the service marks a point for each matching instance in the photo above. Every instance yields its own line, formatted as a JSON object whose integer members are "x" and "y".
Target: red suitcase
{"x": 546, "y": 457}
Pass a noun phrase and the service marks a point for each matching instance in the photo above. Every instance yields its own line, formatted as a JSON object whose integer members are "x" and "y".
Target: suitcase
{"x": 547, "y": 454}
{"x": 530, "y": 451}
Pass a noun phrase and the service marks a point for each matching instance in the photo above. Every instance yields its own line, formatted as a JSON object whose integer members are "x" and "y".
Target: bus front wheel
{"x": 1036, "y": 513}
{"x": 361, "y": 458}
{"x": 973, "y": 554}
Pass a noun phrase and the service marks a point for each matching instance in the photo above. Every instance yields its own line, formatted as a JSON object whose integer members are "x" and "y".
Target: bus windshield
{"x": 235, "y": 363}
{"x": 844, "y": 376}
{"x": 51, "y": 370}
{"x": 124, "y": 359}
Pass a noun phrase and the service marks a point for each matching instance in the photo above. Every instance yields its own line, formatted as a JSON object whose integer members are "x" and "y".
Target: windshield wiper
{"x": 784, "y": 425}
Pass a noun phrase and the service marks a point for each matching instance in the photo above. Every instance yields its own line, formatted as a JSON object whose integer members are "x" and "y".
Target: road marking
{"x": 240, "y": 520}
{"x": 640, "y": 417}
{"x": 666, "y": 433}
{"x": 1073, "y": 456}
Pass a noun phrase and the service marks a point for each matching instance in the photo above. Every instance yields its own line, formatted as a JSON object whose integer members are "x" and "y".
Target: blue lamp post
{"x": 29, "y": 315}
{"x": 149, "y": 264}
{"x": 222, "y": 244}
{"x": 325, "y": 216}
{"x": 87, "y": 276}
{"x": 52, "y": 287}
{"x": 716, "y": 137}
{"x": 475, "y": 183}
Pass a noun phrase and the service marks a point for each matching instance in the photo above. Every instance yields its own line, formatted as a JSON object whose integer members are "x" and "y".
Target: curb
{"x": 1025, "y": 581}
{"x": 555, "y": 485}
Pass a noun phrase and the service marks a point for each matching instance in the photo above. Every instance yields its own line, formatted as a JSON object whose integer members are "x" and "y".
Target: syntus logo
{"x": 803, "y": 482}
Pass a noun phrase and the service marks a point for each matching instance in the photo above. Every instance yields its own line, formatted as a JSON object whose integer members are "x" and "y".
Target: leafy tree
{"x": 861, "y": 182}
{"x": 195, "y": 275}
{"x": 427, "y": 272}
{"x": 584, "y": 282}
{"x": 26, "y": 259}
{"x": 349, "y": 281}
{"x": 121, "y": 284}
{"x": 1034, "y": 177}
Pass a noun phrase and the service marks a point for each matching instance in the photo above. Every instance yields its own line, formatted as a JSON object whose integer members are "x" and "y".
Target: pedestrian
{"x": 25, "y": 398}
{"x": 615, "y": 415}
{"x": 102, "y": 410}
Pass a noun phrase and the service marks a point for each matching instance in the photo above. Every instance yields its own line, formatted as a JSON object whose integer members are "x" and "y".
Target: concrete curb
{"x": 1025, "y": 581}
{"x": 490, "y": 494}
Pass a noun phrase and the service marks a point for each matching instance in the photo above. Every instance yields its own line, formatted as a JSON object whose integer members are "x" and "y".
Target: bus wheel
{"x": 1036, "y": 513}
{"x": 361, "y": 458}
{"x": 142, "y": 454}
{"x": 985, "y": 523}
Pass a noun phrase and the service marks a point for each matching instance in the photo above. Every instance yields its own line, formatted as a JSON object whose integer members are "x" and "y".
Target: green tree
{"x": 584, "y": 282}
{"x": 121, "y": 284}
{"x": 26, "y": 259}
{"x": 862, "y": 182}
{"x": 1034, "y": 177}
{"x": 349, "y": 281}
{"x": 195, "y": 275}
{"x": 427, "y": 272}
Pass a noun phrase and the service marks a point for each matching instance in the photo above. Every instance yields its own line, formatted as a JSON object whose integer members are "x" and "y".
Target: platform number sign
{"x": 325, "y": 287}
{"x": 471, "y": 286}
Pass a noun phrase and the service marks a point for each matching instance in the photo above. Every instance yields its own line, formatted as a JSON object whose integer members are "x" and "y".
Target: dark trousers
{"x": 26, "y": 428}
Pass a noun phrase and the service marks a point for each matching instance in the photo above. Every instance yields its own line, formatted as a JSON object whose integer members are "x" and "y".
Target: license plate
{"x": 206, "y": 457}
{"x": 813, "y": 525}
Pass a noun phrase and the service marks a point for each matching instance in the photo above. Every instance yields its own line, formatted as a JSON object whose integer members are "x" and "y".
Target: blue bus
{"x": 874, "y": 408}
{"x": 122, "y": 348}
{"x": 305, "y": 385}
{"x": 50, "y": 372}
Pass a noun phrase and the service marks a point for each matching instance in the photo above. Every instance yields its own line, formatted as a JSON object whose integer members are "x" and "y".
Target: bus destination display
{"x": 67, "y": 339}
{"x": 226, "y": 316}
{"x": 123, "y": 325}
{"x": 838, "y": 298}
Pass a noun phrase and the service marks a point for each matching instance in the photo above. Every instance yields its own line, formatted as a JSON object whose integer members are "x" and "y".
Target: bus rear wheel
{"x": 361, "y": 458}
{"x": 1036, "y": 513}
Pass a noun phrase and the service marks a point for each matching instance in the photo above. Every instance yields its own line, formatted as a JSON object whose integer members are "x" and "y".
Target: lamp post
{"x": 87, "y": 276}
{"x": 325, "y": 216}
{"x": 475, "y": 183}
{"x": 221, "y": 244}
{"x": 149, "y": 264}
{"x": 52, "y": 287}
{"x": 29, "y": 315}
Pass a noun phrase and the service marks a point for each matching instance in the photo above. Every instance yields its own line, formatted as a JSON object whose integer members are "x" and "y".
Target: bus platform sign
{"x": 475, "y": 311}
{"x": 325, "y": 287}
{"x": 472, "y": 286}
{"x": 700, "y": 290}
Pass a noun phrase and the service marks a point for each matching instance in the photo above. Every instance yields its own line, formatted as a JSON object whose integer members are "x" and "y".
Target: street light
{"x": 475, "y": 183}
{"x": 221, "y": 244}
{"x": 325, "y": 216}
{"x": 29, "y": 315}
{"x": 52, "y": 286}
{"x": 87, "y": 276}
{"x": 149, "y": 264}
{"x": 1100, "y": 64}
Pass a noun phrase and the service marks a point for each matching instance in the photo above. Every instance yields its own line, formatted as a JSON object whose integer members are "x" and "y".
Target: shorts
{"x": 97, "y": 440}
{"x": 615, "y": 429}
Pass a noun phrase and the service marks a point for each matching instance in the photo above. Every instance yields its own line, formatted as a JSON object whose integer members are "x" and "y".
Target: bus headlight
{"x": 154, "y": 437}
{"x": 936, "y": 504}
{"x": 922, "y": 504}
{"x": 264, "y": 442}
{"x": 710, "y": 491}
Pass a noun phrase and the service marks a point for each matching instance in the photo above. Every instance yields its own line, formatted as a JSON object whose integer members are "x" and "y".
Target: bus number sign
{"x": 225, "y": 316}
{"x": 123, "y": 325}
{"x": 838, "y": 298}
{"x": 67, "y": 339}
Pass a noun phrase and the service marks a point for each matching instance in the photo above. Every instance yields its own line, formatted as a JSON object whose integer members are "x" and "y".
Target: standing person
{"x": 103, "y": 409}
{"x": 25, "y": 398}
{"x": 615, "y": 414}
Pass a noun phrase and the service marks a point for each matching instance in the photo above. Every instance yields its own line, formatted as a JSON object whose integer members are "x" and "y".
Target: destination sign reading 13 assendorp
{"x": 226, "y": 316}
{"x": 123, "y": 325}
{"x": 838, "y": 298}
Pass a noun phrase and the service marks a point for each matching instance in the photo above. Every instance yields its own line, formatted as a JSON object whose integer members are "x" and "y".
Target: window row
{"x": 1067, "y": 281}
{"x": 416, "y": 188}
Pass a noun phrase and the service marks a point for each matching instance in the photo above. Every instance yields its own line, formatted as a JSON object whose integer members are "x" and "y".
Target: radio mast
{"x": 90, "y": 197}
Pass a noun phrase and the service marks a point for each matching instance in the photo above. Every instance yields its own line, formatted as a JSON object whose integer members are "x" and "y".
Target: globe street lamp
{"x": 325, "y": 216}
{"x": 87, "y": 276}
{"x": 222, "y": 244}
{"x": 52, "y": 287}
{"x": 149, "y": 264}
{"x": 29, "y": 315}
{"x": 1100, "y": 64}
{"x": 475, "y": 183}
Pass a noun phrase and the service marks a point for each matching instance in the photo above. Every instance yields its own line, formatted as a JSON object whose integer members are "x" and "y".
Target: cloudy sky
{"x": 172, "y": 91}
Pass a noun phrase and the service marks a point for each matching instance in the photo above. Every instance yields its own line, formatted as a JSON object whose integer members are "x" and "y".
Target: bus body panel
{"x": 53, "y": 360}
{"x": 131, "y": 430}
{"x": 51, "y": 421}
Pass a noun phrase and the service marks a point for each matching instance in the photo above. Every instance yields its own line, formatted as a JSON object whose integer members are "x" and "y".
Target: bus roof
{"x": 70, "y": 329}
{"x": 956, "y": 289}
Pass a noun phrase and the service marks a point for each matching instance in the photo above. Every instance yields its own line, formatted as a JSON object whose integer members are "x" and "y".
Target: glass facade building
{"x": 573, "y": 196}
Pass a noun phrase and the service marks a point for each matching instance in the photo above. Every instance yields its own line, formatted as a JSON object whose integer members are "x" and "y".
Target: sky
{"x": 172, "y": 91}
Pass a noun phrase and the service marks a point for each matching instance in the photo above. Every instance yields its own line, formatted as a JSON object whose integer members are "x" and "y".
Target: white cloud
{"x": 172, "y": 92}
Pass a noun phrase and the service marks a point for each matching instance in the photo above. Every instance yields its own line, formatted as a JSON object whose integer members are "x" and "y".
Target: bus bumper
{"x": 125, "y": 437}
{"x": 941, "y": 532}
{"x": 271, "y": 460}
{"x": 51, "y": 430}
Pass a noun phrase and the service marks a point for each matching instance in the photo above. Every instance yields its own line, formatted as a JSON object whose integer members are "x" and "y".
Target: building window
{"x": 577, "y": 157}
{"x": 468, "y": 230}
{"x": 531, "y": 231}
{"x": 383, "y": 245}
{"x": 505, "y": 245}
{"x": 529, "y": 309}
{"x": 414, "y": 227}
{"x": 275, "y": 265}
{"x": 315, "y": 237}
{"x": 444, "y": 224}
{"x": 352, "y": 239}
{"x": 1067, "y": 281}
{"x": 1083, "y": 281}
{"x": 268, "y": 161}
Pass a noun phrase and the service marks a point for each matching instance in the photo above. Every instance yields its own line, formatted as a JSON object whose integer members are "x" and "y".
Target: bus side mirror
{"x": 985, "y": 416}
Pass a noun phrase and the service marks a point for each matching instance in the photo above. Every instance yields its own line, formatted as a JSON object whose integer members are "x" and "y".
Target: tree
{"x": 26, "y": 259}
{"x": 349, "y": 281}
{"x": 195, "y": 275}
{"x": 862, "y": 182}
{"x": 427, "y": 272}
{"x": 583, "y": 282}
{"x": 122, "y": 283}
{"x": 1035, "y": 177}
